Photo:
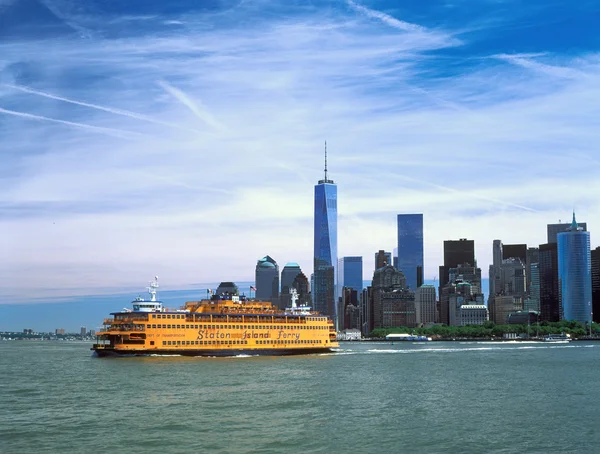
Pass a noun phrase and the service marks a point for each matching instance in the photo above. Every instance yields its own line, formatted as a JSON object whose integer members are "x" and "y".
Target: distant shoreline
{"x": 469, "y": 339}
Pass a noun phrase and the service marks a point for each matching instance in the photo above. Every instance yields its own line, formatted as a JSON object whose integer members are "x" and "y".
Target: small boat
{"x": 407, "y": 337}
{"x": 558, "y": 338}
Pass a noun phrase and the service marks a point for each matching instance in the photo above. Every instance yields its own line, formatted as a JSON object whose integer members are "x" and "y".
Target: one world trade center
{"x": 325, "y": 246}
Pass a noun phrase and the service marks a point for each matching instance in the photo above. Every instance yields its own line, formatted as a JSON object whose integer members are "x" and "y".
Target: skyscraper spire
{"x": 574, "y": 226}
{"x": 325, "y": 160}
{"x": 326, "y": 180}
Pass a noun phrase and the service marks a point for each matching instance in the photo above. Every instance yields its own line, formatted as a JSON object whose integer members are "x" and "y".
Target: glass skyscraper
{"x": 288, "y": 274}
{"x": 575, "y": 274}
{"x": 550, "y": 309}
{"x": 350, "y": 273}
{"x": 267, "y": 279}
{"x": 325, "y": 245}
{"x": 410, "y": 247}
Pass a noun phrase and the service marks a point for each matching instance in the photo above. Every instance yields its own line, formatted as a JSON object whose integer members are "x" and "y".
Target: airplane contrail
{"x": 112, "y": 110}
{"x": 446, "y": 188}
{"x": 386, "y": 18}
{"x": 110, "y": 131}
{"x": 194, "y": 106}
{"x": 181, "y": 184}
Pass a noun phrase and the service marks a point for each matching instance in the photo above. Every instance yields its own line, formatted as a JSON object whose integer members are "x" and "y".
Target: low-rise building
{"x": 349, "y": 335}
{"x": 473, "y": 314}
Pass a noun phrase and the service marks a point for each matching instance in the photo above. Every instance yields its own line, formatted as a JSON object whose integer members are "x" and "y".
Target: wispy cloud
{"x": 99, "y": 129}
{"x": 386, "y": 18}
{"x": 193, "y": 104}
{"x": 125, "y": 113}
{"x": 527, "y": 61}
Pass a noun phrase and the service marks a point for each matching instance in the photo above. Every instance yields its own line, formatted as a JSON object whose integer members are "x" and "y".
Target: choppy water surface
{"x": 370, "y": 397}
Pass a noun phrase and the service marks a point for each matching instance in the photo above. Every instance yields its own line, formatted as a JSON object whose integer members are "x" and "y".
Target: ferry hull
{"x": 109, "y": 352}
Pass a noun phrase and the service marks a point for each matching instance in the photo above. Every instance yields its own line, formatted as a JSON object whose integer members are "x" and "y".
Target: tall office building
{"x": 382, "y": 258}
{"x": 555, "y": 229}
{"x": 350, "y": 308}
{"x": 514, "y": 251}
{"x": 548, "y": 272}
{"x": 410, "y": 248}
{"x": 288, "y": 274}
{"x": 463, "y": 288}
{"x": 532, "y": 302}
{"x": 325, "y": 246}
{"x": 456, "y": 252}
{"x": 425, "y": 305}
{"x": 595, "y": 255}
{"x": 512, "y": 275}
{"x": 532, "y": 256}
{"x": 393, "y": 304}
{"x": 301, "y": 285}
{"x": 366, "y": 311}
{"x": 574, "y": 273}
{"x": 510, "y": 290}
{"x": 267, "y": 280}
{"x": 350, "y": 274}
{"x": 229, "y": 288}
{"x": 494, "y": 274}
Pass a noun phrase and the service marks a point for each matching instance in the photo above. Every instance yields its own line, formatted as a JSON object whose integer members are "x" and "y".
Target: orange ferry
{"x": 225, "y": 325}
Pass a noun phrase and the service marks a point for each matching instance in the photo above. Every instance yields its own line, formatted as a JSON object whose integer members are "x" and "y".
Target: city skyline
{"x": 196, "y": 136}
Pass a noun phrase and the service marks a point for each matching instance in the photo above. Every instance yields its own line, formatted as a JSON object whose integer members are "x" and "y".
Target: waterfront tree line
{"x": 490, "y": 330}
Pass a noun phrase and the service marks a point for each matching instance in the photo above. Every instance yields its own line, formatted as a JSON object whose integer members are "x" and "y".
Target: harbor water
{"x": 433, "y": 397}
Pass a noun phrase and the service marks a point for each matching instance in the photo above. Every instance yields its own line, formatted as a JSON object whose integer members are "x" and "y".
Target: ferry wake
{"x": 225, "y": 324}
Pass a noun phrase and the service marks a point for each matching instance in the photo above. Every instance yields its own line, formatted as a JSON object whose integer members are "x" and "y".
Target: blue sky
{"x": 166, "y": 138}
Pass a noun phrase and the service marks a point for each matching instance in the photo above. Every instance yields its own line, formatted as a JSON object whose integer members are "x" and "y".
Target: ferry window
{"x": 164, "y": 342}
{"x": 169, "y": 342}
{"x": 178, "y": 342}
{"x": 151, "y": 342}
{"x": 169, "y": 326}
